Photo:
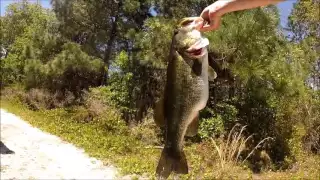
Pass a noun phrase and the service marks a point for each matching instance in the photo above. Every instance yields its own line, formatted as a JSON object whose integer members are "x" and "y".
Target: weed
{"x": 230, "y": 150}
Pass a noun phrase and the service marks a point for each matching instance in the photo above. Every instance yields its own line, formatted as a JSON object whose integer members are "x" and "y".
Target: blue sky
{"x": 284, "y": 7}
{"x": 5, "y": 3}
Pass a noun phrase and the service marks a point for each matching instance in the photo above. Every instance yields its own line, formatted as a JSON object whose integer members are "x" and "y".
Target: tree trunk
{"x": 107, "y": 55}
{"x": 112, "y": 38}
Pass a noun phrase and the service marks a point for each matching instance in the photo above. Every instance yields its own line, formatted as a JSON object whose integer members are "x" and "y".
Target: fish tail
{"x": 167, "y": 164}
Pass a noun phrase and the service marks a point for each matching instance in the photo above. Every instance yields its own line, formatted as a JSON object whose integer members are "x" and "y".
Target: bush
{"x": 211, "y": 127}
{"x": 263, "y": 121}
{"x": 100, "y": 110}
{"x": 13, "y": 93}
{"x": 101, "y": 106}
{"x": 72, "y": 70}
{"x": 38, "y": 99}
{"x": 311, "y": 140}
{"x": 41, "y": 99}
{"x": 216, "y": 120}
{"x": 147, "y": 131}
{"x": 35, "y": 74}
{"x": 11, "y": 70}
{"x": 311, "y": 121}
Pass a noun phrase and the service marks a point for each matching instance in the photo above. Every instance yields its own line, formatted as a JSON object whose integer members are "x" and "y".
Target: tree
{"x": 29, "y": 31}
{"x": 101, "y": 26}
{"x": 304, "y": 22}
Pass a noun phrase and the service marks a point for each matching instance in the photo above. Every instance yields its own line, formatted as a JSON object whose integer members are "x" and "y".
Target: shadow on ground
{"x": 4, "y": 149}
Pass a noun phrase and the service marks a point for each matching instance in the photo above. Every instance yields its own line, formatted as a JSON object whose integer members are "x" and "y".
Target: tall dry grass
{"x": 229, "y": 150}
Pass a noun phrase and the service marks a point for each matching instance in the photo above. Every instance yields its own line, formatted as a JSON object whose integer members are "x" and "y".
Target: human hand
{"x": 212, "y": 15}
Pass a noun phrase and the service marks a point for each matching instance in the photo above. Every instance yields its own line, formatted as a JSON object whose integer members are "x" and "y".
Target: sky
{"x": 284, "y": 7}
{"x": 5, "y": 3}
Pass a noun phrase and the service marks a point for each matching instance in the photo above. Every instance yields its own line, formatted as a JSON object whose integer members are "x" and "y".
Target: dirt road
{"x": 28, "y": 153}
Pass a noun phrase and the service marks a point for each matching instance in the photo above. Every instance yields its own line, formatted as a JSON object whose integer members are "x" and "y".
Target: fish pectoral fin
{"x": 159, "y": 113}
{"x": 193, "y": 127}
{"x": 212, "y": 75}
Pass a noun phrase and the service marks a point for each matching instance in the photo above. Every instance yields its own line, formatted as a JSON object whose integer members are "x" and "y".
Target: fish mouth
{"x": 198, "y": 48}
{"x": 196, "y": 52}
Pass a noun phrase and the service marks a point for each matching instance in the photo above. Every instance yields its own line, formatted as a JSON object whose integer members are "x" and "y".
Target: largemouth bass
{"x": 186, "y": 93}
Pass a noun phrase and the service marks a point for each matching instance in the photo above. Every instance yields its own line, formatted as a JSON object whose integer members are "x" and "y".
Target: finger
{"x": 199, "y": 23}
{"x": 206, "y": 28}
{"x": 214, "y": 24}
{"x": 205, "y": 15}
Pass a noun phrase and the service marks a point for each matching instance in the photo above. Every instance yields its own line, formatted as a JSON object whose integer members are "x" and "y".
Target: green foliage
{"x": 101, "y": 93}
{"x": 35, "y": 73}
{"x": 214, "y": 122}
{"x": 211, "y": 127}
{"x": 180, "y": 9}
{"x": 147, "y": 131}
{"x": 304, "y": 20}
{"x": 99, "y": 106}
{"x": 73, "y": 59}
{"x": 101, "y": 25}
{"x": 132, "y": 86}
{"x": 10, "y": 69}
{"x": 18, "y": 17}
{"x": 71, "y": 70}
{"x": 270, "y": 77}
{"x": 120, "y": 82}
{"x": 304, "y": 23}
{"x": 311, "y": 122}
{"x": 249, "y": 44}
{"x": 34, "y": 36}
{"x": 156, "y": 41}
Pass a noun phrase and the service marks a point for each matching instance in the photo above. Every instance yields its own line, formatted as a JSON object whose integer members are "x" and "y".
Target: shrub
{"x": 11, "y": 70}
{"x": 72, "y": 70}
{"x": 311, "y": 140}
{"x": 38, "y": 99}
{"x": 13, "y": 93}
{"x": 214, "y": 121}
{"x": 101, "y": 110}
{"x": 311, "y": 121}
{"x": 35, "y": 74}
{"x": 211, "y": 127}
{"x": 147, "y": 131}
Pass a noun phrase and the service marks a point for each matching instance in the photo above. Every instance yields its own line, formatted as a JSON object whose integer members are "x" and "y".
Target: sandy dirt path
{"x": 38, "y": 155}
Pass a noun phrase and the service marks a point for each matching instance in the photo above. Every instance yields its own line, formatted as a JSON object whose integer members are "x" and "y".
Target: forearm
{"x": 237, "y": 5}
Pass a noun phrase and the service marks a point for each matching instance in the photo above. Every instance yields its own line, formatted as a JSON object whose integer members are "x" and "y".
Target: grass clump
{"x": 229, "y": 151}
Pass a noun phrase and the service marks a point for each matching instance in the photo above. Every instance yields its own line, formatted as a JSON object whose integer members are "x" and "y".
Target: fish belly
{"x": 202, "y": 93}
